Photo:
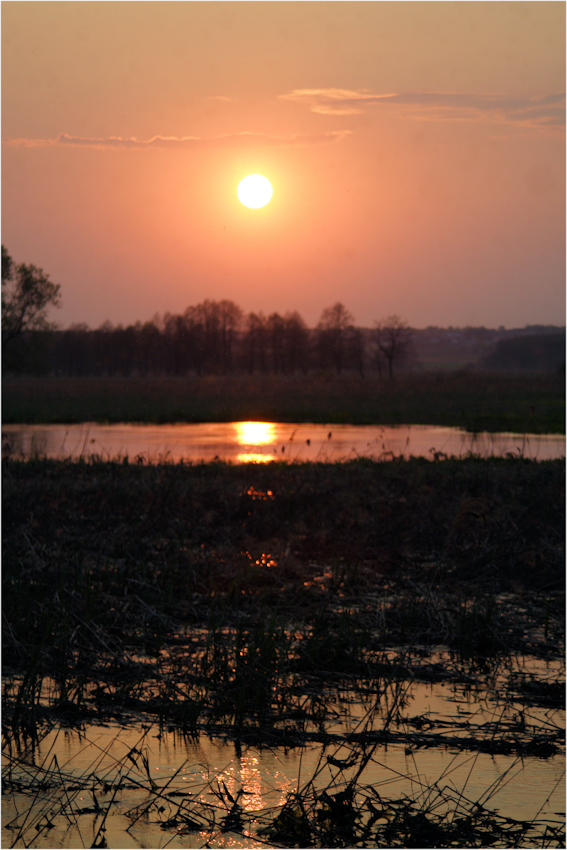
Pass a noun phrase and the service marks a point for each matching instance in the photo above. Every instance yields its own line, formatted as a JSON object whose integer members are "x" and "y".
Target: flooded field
{"x": 251, "y": 654}
{"x": 457, "y": 752}
{"x": 261, "y": 442}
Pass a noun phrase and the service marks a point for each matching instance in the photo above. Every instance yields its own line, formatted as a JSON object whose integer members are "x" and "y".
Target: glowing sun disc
{"x": 254, "y": 191}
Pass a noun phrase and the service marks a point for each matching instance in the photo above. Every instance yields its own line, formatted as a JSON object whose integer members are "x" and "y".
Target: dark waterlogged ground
{"x": 284, "y": 654}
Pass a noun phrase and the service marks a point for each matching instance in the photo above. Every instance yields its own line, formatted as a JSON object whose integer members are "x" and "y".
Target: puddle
{"x": 261, "y": 442}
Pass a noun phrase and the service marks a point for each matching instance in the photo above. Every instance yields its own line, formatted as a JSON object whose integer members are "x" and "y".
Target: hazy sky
{"x": 416, "y": 150}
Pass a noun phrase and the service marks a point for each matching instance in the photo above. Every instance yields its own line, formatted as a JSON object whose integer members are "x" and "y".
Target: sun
{"x": 254, "y": 191}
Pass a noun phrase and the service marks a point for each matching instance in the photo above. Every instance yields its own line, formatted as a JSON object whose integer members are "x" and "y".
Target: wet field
{"x": 453, "y": 747}
{"x": 283, "y": 654}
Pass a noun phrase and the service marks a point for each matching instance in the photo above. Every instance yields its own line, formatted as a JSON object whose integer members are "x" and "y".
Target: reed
{"x": 334, "y": 806}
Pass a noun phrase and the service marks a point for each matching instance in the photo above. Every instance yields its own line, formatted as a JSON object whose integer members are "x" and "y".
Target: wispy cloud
{"x": 183, "y": 143}
{"x": 546, "y": 112}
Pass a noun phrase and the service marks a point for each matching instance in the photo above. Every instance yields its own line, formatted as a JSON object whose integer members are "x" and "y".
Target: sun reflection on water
{"x": 251, "y": 780}
{"x": 255, "y": 433}
{"x": 253, "y": 457}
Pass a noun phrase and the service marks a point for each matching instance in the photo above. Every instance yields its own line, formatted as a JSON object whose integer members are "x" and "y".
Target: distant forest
{"x": 216, "y": 337}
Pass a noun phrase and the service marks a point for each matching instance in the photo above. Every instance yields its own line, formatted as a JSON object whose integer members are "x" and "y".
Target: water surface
{"x": 189, "y": 772}
{"x": 261, "y": 442}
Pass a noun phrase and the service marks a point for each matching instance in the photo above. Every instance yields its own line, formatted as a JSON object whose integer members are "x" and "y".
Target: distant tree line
{"x": 214, "y": 337}
{"x": 537, "y": 352}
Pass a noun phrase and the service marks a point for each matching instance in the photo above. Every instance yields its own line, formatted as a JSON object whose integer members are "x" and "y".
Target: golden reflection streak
{"x": 251, "y": 780}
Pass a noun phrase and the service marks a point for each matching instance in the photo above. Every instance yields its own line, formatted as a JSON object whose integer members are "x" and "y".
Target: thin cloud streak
{"x": 184, "y": 143}
{"x": 545, "y": 112}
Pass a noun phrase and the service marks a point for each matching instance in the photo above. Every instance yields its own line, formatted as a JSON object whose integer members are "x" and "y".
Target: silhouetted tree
{"x": 150, "y": 356}
{"x": 230, "y": 318}
{"x": 125, "y": 350}
{"x": 75, "y": 351}
{"x": 195, "y": 324}
{"x": 355, "y": 349}
{"x": 331, "y": 335}
{"x": 103, "y": 349}
{"x": 393, "y": 339}
{"x": 276, "y": 330}
{"x": 7, "y": 266}
{"x": 178, "y": 344}
{"x": 27, "y": 294}
{"x": 296, "y": 343}
{"x": 255, "y": 343}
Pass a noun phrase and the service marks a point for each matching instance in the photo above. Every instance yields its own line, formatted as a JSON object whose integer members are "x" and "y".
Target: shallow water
{"x": 261, "y": 442}
{"x": 523, "y": 791}
{"x": 150, "y": 761}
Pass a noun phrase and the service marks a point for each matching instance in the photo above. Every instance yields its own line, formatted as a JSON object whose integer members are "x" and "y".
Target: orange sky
{"x": 416, "y": 150}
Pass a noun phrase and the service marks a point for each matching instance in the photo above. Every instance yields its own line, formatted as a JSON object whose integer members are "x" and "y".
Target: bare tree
{"x": 179, "y": 338}
{"x": 296, "y": 343}
{"x": 27, "y": 293}
{"x": 230, "y": 320}
{"x": 356, "y": 349}
{"x": 255, "y": 342}
{"x": 331, "y": 332}
{"x": 393, "y": 339}
{"x": 276, "y": 329}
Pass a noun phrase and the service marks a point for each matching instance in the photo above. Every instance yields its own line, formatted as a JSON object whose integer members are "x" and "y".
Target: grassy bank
{"x": 474, "y": 402}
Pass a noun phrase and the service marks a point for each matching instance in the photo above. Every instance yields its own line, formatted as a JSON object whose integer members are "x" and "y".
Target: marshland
{"x": 364, "y": 653}
{"x": 283, "y": 474}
